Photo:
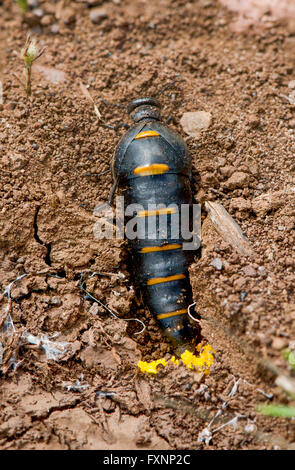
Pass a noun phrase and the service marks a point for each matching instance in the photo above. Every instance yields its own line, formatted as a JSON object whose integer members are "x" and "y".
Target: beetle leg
{"x": 108, "y": 126}
{"x": 116, "y": 105}
{"x": 171, "y": 119}
{"x": 112, "y": 192}
{"x": 122, "y": 124}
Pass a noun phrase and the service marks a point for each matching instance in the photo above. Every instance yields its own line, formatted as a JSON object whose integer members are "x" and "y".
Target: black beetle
{"x": 152, "y": 166}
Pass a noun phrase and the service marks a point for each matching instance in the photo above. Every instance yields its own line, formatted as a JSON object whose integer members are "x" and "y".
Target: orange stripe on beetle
{"x": 151, "y": 249}
{"x": 160, "y": 280}
{"x": 172, "y": 314}
{"x": 153, "y": 169}
{"x": 157, "y": 212}
{"x": 144, "y": 134}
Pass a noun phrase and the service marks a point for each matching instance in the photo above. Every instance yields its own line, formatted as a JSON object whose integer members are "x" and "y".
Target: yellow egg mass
{"x": 200, "y": 363}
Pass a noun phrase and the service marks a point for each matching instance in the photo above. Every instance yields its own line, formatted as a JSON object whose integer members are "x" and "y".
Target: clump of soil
{"x": 54, "y": 155}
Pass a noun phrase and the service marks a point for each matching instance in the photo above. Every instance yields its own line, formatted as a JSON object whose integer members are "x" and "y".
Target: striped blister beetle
{"x": 152, "y": 166}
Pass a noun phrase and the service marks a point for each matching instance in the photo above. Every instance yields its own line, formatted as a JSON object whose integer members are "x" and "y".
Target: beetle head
{"x": 146, "y": 108}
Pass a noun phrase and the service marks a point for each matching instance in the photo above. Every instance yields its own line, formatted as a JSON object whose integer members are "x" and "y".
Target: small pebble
{"x": 253, "y": 121}
{"x": 54, "y": 29}
{"x": 249, "y": 271}
{"x": 243, "y": 295}
{"x": 217, "y": 263}
{"x": 249, "y": 428}
{"x": 239, "y": 179}
{"x": 207, "y": 396}
{"x": 279, "y": 343}
{"x": 46, "y": 20}
{"x": 33, "y": 3}
{"x": 202, "y": 389}
{"x": 98, "y": 15}
{"x": 195, "y": 122}
{"x": 68, "y": 15}
{"x": 94, "y": 309}
{"x": 38, "y": 12}
{"x": 56, "y": 301}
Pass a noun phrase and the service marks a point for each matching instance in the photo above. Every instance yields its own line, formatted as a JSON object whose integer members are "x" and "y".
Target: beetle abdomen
{"x": 153, "y": 168}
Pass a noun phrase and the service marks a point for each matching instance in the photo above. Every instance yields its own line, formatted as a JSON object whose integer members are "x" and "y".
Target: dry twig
{"x": 228, "y": 228}
{"x": 90, "y": 99}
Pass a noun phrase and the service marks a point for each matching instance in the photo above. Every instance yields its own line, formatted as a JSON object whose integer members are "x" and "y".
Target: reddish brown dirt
{"x": 52, "y": 143}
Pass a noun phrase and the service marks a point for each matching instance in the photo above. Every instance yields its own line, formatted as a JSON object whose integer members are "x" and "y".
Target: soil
{"x": 80, "y": 387}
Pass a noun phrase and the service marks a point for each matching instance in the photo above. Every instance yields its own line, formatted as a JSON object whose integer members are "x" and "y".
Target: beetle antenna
{"x": 116, "y": 105}
{"x": 165, "y": 87}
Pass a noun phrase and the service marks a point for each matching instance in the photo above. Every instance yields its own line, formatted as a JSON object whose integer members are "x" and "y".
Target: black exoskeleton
{"x": 152, "y": 166}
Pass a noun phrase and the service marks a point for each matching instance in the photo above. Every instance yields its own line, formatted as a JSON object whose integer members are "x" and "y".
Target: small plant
{"x": 279, "y": 411}
{"x": 23, "y": 5}
{"x": 29, "y": 54}
{"x": 290, "y": 357}
{"x": 287, "y": 383}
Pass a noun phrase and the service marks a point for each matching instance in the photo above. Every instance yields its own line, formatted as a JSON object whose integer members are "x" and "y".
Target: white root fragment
{"x": 206, "y": 434}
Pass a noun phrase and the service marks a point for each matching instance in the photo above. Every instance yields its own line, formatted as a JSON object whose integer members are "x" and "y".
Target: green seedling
{"x": 279, "y": 411}
{"x": 287, "y": 383}
{"x": 30, "y": 53}
{"x": 23, "y": 5}
{"x": 290, "y": 357}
